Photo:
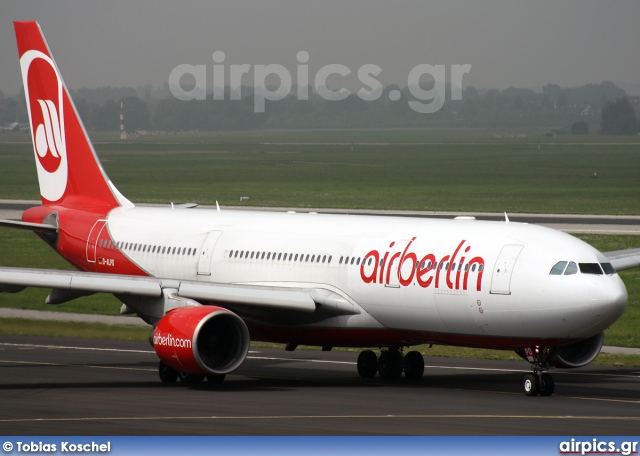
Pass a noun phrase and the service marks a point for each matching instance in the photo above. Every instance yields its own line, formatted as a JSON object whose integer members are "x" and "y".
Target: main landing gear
{"x": 539, "y": 382}
{"x": 390, "y": 364}
{"x": 169, "y": 375}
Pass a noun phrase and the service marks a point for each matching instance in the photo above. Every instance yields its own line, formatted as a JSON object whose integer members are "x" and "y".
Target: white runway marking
{"x": 319, "y": 361}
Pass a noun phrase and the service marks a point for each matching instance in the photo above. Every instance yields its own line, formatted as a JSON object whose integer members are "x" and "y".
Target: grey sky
{"x": 508, "y": 42}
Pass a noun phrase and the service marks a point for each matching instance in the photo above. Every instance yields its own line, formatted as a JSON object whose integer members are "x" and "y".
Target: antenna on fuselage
{"x": 506, "y": 218}
{"x": 217, "y": 206}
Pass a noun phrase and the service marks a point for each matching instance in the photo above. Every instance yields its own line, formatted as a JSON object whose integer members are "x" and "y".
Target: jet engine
{"x": 203, "y": 340}
{"x": 577, "y": 354}
{"x": 570, "y": 356}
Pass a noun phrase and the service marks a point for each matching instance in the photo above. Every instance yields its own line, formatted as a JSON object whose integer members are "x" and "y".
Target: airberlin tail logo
{"x": 48, "y": 138}
{"x": 45, "y": 100}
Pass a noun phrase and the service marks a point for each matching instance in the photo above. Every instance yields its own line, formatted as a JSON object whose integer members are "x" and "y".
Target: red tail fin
{"x": 69, "y": 171}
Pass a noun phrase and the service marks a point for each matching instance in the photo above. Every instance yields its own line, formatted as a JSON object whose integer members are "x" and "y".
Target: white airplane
{"x": 209, "y": 281}
{"x": 14, "y": 127}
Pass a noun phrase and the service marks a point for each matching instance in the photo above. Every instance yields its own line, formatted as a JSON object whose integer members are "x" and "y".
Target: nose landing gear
{"x": 540, "y": 382}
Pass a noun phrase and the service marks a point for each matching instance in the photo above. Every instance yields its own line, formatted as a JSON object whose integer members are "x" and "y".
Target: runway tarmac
{"x": 74, "y": 387}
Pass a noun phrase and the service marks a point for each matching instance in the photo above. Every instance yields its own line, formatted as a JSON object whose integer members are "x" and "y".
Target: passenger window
{"x": 340, "y": 262}
{"x": 571, "y": 269}
{"x": 279, "y": 256}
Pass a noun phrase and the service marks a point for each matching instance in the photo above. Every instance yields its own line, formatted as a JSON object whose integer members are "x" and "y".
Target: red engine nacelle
{"x": 201, "y": 340}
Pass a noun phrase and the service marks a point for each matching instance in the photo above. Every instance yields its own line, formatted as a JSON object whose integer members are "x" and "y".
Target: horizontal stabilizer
{"x": 37, "y": 227}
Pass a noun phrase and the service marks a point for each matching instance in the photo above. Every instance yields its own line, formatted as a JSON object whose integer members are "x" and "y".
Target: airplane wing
{"x": 624, "y": 259}
{"x": 250, "y": 299}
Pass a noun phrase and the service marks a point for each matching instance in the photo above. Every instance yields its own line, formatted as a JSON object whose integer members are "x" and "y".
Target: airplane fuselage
{"x": 413, "y": 280}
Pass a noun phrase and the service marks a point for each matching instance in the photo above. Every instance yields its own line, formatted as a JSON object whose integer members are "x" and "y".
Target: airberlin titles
{"x": 451, "y": 271}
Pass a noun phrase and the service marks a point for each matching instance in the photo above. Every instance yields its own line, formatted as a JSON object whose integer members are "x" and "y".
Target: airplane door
{"x": 92, "y": 240}
{"x": 204, "y": 263}
{"x": 501, "y": 279}
{"x": 392, "y": 269}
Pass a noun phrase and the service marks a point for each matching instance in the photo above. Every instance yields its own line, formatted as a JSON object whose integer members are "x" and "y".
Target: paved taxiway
{"x": 65, "y": 386}
{"x": 596, "y": 224}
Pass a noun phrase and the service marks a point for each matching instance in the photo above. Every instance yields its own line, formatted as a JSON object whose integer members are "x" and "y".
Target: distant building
{"x": 635, "y": 103}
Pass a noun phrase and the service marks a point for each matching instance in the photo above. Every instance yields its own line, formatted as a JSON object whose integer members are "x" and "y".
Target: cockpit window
{"x": 590, "y": 268}
{"x": 572, "y": 268}
{"x": 608, "y": 269}
{"x": 558, "y": 268}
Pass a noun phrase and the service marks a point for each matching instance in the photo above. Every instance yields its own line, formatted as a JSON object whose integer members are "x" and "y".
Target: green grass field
{"x": 456, "y": 170}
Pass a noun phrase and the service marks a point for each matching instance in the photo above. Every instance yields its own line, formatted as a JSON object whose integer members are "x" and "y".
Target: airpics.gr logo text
{"x": 223, "y": 75}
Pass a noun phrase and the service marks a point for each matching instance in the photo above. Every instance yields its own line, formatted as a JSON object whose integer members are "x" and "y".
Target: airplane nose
{"x": 608, "y": 300}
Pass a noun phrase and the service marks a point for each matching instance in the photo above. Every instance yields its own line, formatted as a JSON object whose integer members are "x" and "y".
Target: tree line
{"x": 602, "y": 108}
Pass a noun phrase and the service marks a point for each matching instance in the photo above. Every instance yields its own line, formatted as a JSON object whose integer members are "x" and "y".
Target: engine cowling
{"x": 577, "y": 354}
{"x": 203, "y": 340}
